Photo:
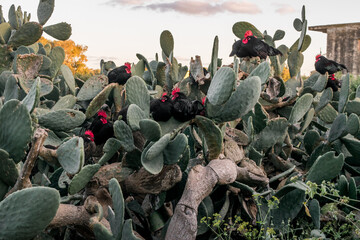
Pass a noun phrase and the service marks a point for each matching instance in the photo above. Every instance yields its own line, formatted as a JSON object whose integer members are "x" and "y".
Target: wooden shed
{"x": 343, "y": 44}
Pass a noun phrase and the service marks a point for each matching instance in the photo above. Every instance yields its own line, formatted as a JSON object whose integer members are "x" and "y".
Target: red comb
{"x": 90, "y": 134}
{"x": 102, "y": 113}
{"x": 317, "y": 56}
{"x": 164, "y": 94}
{"x": 203, "y": 100}
{"x": 176, "y": 90}
{"x": 128, "y": 67}
{"x": 248, "y": 33}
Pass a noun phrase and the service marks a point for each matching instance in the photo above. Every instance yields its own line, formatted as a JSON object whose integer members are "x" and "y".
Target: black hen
{"x": 89, "y": 145}
{"x": 101, "y": 128}
{"x": 323, "y": 65}
{"x": 184, "y": 109}
{"x": 161, "y": 109}
{"x": 120, "y": 74}
{"x": 250, "y": 46}
{"x": 333, "y": 83}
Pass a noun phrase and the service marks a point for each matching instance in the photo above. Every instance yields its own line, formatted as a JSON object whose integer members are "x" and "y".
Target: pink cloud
{"x": 193, "y": 7}
{"x": 284, "y": 9}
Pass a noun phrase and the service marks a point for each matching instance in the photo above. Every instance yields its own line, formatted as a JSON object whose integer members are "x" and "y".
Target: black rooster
{"x": 250, "y": 46}
{"x": 89, "y": 145}
{"x": 333, "y": 83}
{"x": 101, "y": 128}
{"x": 120, "y": 74}
{"x": 161, "y": 108}
{"x": 184, "y": 109}
{"x": 323, "y": 65}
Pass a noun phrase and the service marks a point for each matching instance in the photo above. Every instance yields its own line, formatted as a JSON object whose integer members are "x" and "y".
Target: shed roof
{"x": 324, "y": 28}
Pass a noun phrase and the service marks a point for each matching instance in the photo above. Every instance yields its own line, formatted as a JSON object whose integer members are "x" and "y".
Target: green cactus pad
{"x": 343, "y": 186}
{"x": 80, "y": 180}
{"x": 25, "y": 213}
{"x": 300, "y": 108}
{"x": 344, "y": 92}
{"x": 274, "y": 132}
{"x": 138, "y": 69}
{"x": 62, "y": 120}
{"x": 46, "y": 63}
{"x": 314, "y": 209}
{"x": 44, "y": 10}
{"x": 15, "y": 129}
{"x": 57, "y": 56}
{"x": 111, "y": 146}
{"x": 60, "y": 31}
{"x": 69, "y": 78}
{"x": 123, "y": 133}
{"x": 92, "y": 87}
{"x": 137, "y": 93}
{"x": 262, "y": 71}
{"x": 11, "y": 90}
{"x": 27, "y": 34}
{"x": 100, "y": 231}
{"x": 71, "y": 155}
{"x": 8, "y": 170}
{"x": 221, "y": 86}
{"x": 54, "y": 94}
{"x": 306, "y": 44}
{"x": 152, "y": 157}
{"x": 45, "y": 88}
{"x": 295, "y": 62}
{"x": 353, "y": 107}
{"x": 99, "y": 100}
{"x": 353, "y": 124}
{"x": 13, "y": 17}
{"x": 212, "y": 135}
{"x": 5, "y": 32}
{"x": 33, "y": 97}
{"x": 127, "y": 232}
{"x": 338, "y": 127}
{"x": 134, "y": 116}
{"x": 167, "y": 42}
{"x": 116, "y": 223}
{"x": 5, "y": 58}
{"x": 311, "y": 140}
{"x": 240, "y": 28}
{"x": 325, "y": 98}
{"x": 147, "y": 65}
{"x": 28, "y": 65}
{"x": 320, "y": 83}
{"x": 289, "y": 207}
{"x": 278, "y": 35}
{"x": 328, "y": 114}
{"x": 298, "y": 24}
{"x": 214, "y": 56}
{"x": 174, "y": 150}
{"x": 352, "y": 145}
{"x": 326, "y": 167}
{"x": 302, "y": 36}
{"x": 65, "y": 102}
{"x": 150, "y": 129}
{"x": 290, "y": 187}
{"x": 241, "y": 101}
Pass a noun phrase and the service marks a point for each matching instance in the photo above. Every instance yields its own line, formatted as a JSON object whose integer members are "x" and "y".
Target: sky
{"x": 119, "y": 29}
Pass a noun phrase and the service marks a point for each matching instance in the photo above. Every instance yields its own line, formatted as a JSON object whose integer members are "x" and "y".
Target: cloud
{"x": 192, "y": 7}
{"x": 284, "y": 9}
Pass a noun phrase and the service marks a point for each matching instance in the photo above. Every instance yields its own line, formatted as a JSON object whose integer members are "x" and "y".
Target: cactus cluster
{"x": 298, "y": 131}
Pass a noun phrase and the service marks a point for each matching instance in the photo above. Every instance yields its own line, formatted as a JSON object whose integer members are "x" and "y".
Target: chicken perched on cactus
{"x": 89, "y": 144}
{"x": 333, "y": 83}
{"x": 183, "y": 108}
{"x": 324, "y": 65}
{"x": 161, "y": 108}
{"x": 120, "y": 74}
{"x": 250, "y": 46}
{"x": 101, "y": 128}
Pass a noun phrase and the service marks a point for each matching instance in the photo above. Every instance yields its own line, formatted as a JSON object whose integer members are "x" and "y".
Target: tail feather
{"x": 342, "y": 66}
{"x": 274, "y": 52}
